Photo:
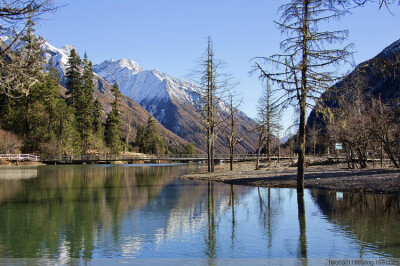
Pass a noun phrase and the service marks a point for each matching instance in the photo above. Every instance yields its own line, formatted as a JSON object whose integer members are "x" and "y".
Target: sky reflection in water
{"x": 146, "y": 212}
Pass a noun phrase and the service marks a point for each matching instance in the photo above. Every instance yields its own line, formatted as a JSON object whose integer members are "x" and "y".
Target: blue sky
{"x": 170, "y": 35}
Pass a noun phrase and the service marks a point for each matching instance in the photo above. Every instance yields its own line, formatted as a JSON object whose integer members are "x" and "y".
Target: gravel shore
{"x": 332, "y": 177}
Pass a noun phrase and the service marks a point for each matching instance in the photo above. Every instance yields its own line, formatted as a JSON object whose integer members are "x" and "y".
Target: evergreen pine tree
{"x": 140, "y": 139}
{"x": 148, "y": 140}
{"x": 97, "y": 118}
{"x": 29, "y": 118}
{"x": 73, "y": 75}
{"x": 88, "y": 87}
{"x": 68, "y": 138}
{"x": 113, "y": 132}
{"x": 51, "y": 94}
{"x": 84, "y": 105}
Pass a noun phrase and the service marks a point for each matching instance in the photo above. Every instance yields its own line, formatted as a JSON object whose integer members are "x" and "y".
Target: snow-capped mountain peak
{"x": 113, "y": 66}
{"x": 130, "y": 64}
{"x": 67, "y": 48}
{"x": 144, "y": 86}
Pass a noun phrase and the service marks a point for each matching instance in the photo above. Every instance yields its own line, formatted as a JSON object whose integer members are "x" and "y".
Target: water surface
{"x": 126, "y": 211}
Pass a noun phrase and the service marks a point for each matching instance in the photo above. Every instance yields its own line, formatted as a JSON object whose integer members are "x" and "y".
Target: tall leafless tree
{"x": 268, "y": 112}
{"x": 261, "y": 138}
{"x": 230, "y": 131}
{"x": 305, "y": 68}
{"x": 213, "y": 87}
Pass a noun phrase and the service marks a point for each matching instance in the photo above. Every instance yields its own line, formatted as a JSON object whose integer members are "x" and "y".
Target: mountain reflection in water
{"x": 88, "y": 211}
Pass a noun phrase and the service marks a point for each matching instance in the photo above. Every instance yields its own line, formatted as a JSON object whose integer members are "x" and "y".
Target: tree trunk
{"x": 302, "y": 147}
{"x": 258, "y": 159}
{"x": 389, "y": 152}
{"x": 269, "y": 147}
{"x": 208, "y": 151}
{"x": 302, "y": 224}
{"x": 212, "y": 150}
{"x": 279, "y": 150}
{"x": 303, "y": 100}
{"x": 381, "y": 154}
{"x": 231, "y": 156}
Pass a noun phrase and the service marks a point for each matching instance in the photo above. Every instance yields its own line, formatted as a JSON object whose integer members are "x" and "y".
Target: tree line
{"x": 32, "y": 106}
{"x": 38, "y": 116}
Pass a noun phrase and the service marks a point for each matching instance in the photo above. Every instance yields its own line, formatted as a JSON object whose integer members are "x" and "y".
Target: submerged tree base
{"x": 332, "y": 177}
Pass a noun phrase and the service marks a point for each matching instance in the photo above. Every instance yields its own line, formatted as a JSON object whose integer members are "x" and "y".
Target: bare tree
{"x": 230, "y": 129}
{"x": 213, "y": 86}
{"x": 304, "y": 69}
{"x": 21, "y": 69}
{"x": 267, "y": 120}
{"x": 268, "y": 112}
{"x": 352, "y": 130}
{"x": 278, "y": 134}
{"x": 355, "y": 3}
{"x": 15, "y": 16}
{"x": 262, "y": 137}
{"x": 313, "y": 138}
{"x": 385, "y": 128}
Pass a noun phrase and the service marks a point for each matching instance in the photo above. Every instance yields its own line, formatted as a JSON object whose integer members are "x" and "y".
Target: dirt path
{"x": 332, "y": 177}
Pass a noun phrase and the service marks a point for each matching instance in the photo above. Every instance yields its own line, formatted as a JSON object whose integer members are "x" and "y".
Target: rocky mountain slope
{"x": 132, "y": 113}
{"x": 173, "y": 102}
{"x": 378, "y": 77}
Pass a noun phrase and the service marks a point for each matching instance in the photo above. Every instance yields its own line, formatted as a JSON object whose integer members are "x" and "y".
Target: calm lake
{"x": 133, "y": 211}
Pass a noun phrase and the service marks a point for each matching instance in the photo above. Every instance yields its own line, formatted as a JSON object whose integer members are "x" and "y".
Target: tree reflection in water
{"x": 117, "y": 211}
{"x": 302, "y": 225}
{"x": 211, "y": 239}
{"x": 372, "y": 218}
{"x": 66, "y": 207}
{"x": 232, "y": 204}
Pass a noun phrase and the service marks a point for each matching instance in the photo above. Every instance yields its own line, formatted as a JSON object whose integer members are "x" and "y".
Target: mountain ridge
{"x": 174, "y": 102}
{"x": 133, "y": 114}
{"x": 376, "y": 77}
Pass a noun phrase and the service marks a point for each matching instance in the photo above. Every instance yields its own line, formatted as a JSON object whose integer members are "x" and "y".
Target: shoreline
{"x": 20, "y": 163}
{"x": 328, "y": 177}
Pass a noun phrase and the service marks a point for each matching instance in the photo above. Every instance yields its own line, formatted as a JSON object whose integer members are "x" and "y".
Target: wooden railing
{"x": 126, "y": 157}
{"x": 19, "y": 157}
{"x": 145, "y": 157}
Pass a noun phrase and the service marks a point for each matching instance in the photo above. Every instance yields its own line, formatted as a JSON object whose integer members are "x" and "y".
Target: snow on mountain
{"x": 144, "y": 86}
{"x": 132, "y": 111}
{"x": 59, "y": 58}
{"x": 173, "y": 102}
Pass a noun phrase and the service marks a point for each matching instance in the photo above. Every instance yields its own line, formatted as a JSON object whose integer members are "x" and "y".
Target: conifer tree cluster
{"x": 86, "y": 108}
{"x": 113, "y": 133}
{"x": 31, "y": 105}
{"x": 30, "y": 102}
{"x": 148, "y": 140}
